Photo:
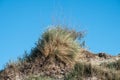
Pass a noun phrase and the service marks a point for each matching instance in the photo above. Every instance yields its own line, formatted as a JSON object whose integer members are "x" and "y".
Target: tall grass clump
{"x": 60, "y": 43}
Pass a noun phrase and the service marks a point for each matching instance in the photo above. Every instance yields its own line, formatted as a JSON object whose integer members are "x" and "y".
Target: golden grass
{"x": 60, "y": 43}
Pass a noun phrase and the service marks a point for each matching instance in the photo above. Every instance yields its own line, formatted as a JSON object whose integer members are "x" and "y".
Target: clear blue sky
{"x": 23, "y": 21}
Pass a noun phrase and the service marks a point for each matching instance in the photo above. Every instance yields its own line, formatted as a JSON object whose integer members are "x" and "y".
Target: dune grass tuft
{"x": 60, "y": 43}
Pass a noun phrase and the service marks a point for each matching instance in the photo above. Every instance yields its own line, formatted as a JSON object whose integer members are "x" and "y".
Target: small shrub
{"x": 80, "y": 71}
{"x": 114, "y": 65}
{"x": 118, "y": 54}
